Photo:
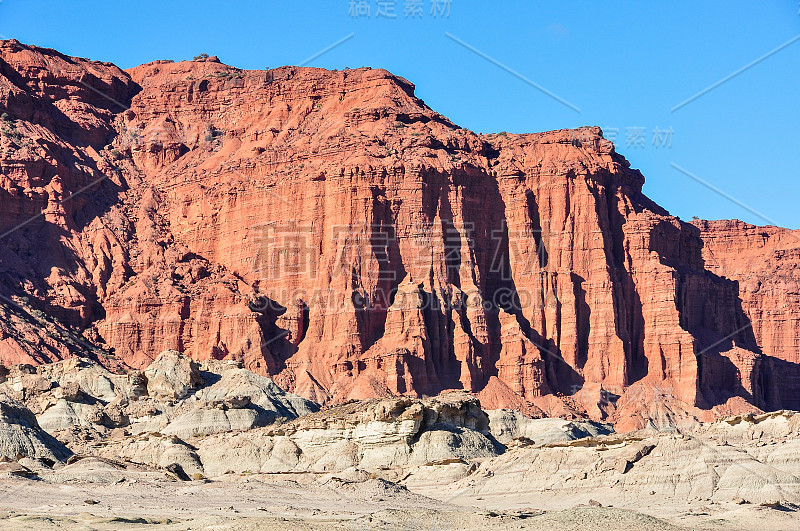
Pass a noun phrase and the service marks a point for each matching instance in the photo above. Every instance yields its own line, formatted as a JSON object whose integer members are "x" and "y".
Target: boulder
{"x": 198, "y": 422}
{"x": 137, "y": 384}
{"x": 172, "y": 376}
{"x": 238, "y": 388}
{"x": 70, "y": 391}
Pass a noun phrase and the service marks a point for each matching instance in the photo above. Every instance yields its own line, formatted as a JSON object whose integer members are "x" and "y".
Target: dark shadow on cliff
{"x": 629, "y": 319}
{"x": 583, "y": 314}
{"x": 776, "y": 383}
{"x": 710, "y": 309}
{"x": 385, "y": 247}
{"x": 443, "y": 309}
{"x": 499, "y": 289}
{"x": 276, "y": 346}
{"x": 87, "y": 192}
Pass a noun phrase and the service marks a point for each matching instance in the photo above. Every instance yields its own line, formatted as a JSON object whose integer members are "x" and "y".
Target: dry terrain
{"x": 187, "y": 445}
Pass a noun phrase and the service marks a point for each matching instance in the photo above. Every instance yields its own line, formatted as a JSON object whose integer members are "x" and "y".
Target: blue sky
{"x": 625, "y": 65}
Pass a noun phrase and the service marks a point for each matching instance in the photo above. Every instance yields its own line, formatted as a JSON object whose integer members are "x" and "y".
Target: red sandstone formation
{"x": 764, "y": 263}
{"x": 332, "y": 231}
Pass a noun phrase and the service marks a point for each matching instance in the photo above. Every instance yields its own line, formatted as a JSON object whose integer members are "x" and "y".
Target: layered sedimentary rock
{"x": 446, "y": 447}
{"x": 407, "y": 463}
{"x": 82, "y": 403}
{"x": 763, "y": 262}
{"x": 330, "y": 230}
{"x": 748, "y": 459}
{"x": 57, "y": 116}
{"x": 21, "y": 435}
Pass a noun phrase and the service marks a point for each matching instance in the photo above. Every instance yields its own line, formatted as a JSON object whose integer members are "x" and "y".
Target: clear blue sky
{"x": 624, "y": 64}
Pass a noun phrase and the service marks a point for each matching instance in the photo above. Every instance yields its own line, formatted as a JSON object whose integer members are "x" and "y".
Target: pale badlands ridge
{"x": 187, "y": 445}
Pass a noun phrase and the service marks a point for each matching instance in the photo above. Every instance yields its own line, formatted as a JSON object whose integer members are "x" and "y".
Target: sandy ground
{"x": 146, "y": 499}
{"x": 273, "y": 504}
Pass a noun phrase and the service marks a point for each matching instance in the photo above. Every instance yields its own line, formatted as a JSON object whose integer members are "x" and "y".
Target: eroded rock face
{"x": 508, "y": 425}
{"x": 749, "y": 458}
{"x": 204, "y": 438}
{"x": 446, "y": 447}
{"x": 172, "y": 375}
{"x": 82, "y": 403}
{"x": 371, "y": 434}
{"x": 329, "y": 230}
{"x": 21, "y": 436}
{"x": 763, "y": 261}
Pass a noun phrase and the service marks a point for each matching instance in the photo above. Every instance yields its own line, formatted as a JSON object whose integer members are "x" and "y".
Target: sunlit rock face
{"x": 329, "y": 230}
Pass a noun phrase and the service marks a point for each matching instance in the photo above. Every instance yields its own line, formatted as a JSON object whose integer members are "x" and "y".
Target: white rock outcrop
{"x": 21, "y": 436}
{"x": 172, "y": 376}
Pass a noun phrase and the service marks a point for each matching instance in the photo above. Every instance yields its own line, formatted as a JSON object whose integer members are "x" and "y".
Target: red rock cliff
{"x": 330, "y": 230}
{"x": 764, "y": 263}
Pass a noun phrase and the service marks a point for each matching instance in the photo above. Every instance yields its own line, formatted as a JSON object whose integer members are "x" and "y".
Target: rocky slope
{"x": 139, "y": 451}
{"x": 82, "y": 403}
{"x": 217, "y": 418}
{"x": 329, "y": 230}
